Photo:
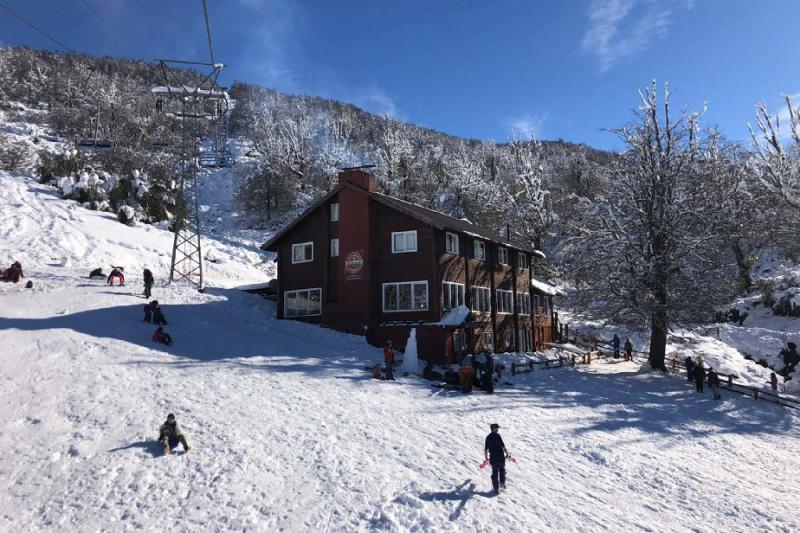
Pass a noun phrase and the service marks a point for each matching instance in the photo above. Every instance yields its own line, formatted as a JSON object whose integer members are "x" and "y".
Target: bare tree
{"x": 778, "y": 167}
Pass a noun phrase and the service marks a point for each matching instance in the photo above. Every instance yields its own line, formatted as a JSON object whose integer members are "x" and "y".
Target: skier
{"x": 162, "y": 337}
{"x": 148, "y": 282}
{"x": 628, "y": 349}
{"x": 713, "y": 383}
{"x": 615, "y": 342}
{"x": 116, "y": 273}
{"x": 170, "y": 435}
{"x": 495, "y": 452}
{"x": 689, "y": 368}
{"x": 699, "y": 376}
{"x": 158, "y": 315}
{"x": 388, "y": 358}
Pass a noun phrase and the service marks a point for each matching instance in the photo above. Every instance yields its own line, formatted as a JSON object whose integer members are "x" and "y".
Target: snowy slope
{"x": 288, "y": 431}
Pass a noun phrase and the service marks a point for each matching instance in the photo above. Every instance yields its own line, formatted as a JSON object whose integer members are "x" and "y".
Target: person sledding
{"x": 170, "y": 435}
{"x": 162, "y": 337}
{"x": 148, "y": 282}
{"x": 116, "y": 273}
{"x": 13, "y": 273}
{"x": 495, "y": 453}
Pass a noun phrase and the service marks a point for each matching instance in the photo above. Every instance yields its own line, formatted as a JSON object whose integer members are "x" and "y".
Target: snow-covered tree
{"x": 778, "y": 166}
{"x": 646, "y": 257}
{"x": 526, "y": 210}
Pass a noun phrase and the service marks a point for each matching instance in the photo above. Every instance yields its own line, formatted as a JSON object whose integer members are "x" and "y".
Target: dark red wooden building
{"x": 363, "y": 262}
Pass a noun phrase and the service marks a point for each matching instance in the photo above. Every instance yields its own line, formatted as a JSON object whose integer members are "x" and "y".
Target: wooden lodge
{"x": 363, "y": 262}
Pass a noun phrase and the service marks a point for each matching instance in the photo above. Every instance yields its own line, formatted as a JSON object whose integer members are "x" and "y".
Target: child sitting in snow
{"x": 158, "y": 316}
{"x": 162, "y": 337}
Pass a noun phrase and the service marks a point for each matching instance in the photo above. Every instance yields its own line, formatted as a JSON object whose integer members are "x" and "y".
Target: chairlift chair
{"x": 95, "y": 145}
{"x": 209, "y": 160}
{"x": 226, "y": 159}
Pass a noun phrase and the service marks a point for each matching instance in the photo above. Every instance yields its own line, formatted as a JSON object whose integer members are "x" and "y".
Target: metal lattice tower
{"x": 197, "y": 109}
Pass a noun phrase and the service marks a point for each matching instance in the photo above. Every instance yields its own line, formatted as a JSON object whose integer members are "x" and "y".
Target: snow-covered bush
{"x": 12, "y": 155}
{"x": 53, "y": 166}
{"x": 127, "y": 215}
{"x": 767, "y": 287}
{"x": 788, "y": 302}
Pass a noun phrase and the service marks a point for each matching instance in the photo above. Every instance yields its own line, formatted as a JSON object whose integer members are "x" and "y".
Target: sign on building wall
{"x": 354, "y": 266}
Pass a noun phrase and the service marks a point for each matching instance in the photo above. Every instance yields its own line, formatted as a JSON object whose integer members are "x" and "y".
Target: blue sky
{"x": 566, "y": 69}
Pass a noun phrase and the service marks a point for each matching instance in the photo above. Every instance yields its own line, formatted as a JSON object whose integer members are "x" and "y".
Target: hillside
{"x": 288, "y": 431}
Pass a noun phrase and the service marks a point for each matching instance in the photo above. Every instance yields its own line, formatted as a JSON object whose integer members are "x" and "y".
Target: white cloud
{"x": 375, "y": 100}
{"x": 527, "y": 126}
{"x": 623, "y": 28}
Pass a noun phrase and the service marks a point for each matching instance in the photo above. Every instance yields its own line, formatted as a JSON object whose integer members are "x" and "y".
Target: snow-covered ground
{"x": 289, "y": 433}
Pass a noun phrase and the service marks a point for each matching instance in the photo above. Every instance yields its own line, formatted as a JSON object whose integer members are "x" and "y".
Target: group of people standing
{"x": 696, "y": 371}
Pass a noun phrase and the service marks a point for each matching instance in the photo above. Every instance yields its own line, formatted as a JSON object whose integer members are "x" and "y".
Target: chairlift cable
{"x": 208, "y": 32}
{"x": 105, "y": 28}
{"x": 32, "y": 25}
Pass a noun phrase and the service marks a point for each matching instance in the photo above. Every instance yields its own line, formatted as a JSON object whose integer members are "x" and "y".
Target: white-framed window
{"x": 334, "y": 212}
{"x": 404, "y": 241}
{"x": 481, "y": 299}
{"x": 303, "y": 252}
{"x": 536, "y": 305}
{"x": 303, "y": 302}
{"x": 334, "y": 247}
{"x": 405, "y": 296}
{"x": 479, "y": 250}
{"x": 502, "y": 256}
{"x": 452, "y": 295}
{"x": 522, "y": 260}
{"x": 488, "y": 340}
{"x": 504, "y": 301}
{"x": 509, "y": 340}
{"x": 451, "y": 243}
{"x": 526, "y": 340}
{"x": 523, "y": 303}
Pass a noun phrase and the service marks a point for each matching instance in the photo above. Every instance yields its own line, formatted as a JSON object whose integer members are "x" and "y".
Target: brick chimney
{"x": 359, "y": 178}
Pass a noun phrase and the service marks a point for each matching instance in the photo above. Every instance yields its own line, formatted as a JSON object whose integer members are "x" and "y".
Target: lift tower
{"x": 196, "y": 108}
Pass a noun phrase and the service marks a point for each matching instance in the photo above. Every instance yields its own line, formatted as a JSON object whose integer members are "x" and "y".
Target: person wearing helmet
{"x": 170, "y": 435}
{"x": 495, "y": 452}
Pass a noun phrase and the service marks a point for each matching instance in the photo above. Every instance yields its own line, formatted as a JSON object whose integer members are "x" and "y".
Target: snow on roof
{"x": 546, "y": 288}
{"x": 454, "y": 317}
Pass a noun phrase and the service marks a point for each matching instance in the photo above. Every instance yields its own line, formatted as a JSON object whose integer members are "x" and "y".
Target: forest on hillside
{"x": 654, "y": 236}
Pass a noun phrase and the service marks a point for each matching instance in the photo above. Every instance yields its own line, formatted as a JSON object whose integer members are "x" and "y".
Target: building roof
{"x": 546, "y": 288}
{"x": 423, "y": 214}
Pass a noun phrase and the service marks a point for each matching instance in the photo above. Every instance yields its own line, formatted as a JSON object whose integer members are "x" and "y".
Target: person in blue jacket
{"x": 615, "y": 342}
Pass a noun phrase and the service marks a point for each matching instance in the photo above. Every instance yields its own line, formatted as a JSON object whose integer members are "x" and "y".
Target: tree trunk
{"x": 658, "y": 340}
{"x": 745, "y": 283}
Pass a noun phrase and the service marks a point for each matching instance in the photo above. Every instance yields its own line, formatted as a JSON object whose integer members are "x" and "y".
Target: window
{"x": 451, "y": 243}
{"x": 522, "y": 260}
{"x": 502, "y": 256}
{"x": 304, "y": 302}
{"x": 504, "y": 299}
{"x": 479, "y": 250}
{"x": 334, "y": 247}
{"x": 488, "y": 340}
{"x": 404, "y": 241}
{"x": 526, "y": 340}
{"x": 523, "y": 303}
{"x": 303, "y": 252}
{"x": 334, "y": 212}
{"x": 481, "y": 299}
{"x": 509, "y": 340}
{"x": 546, "y": 305}
{"x": 536, "y": 305}
{"x": 405, "y": 296}
{"x": 452, "y": 295}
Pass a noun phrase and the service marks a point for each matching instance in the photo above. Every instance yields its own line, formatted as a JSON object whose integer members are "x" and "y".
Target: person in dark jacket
{"x": 148, "y": 282}
{"x": 488, "y": 373}
{"x": 494, "y": 450}
{"x": 713, "y": 383}
{"x": 158, "y": 316}
{"x": 699, "y": 376}
{"x": 628, "y": 349}
{"x": 148, "y": 313}
{"x": 615, "y": 343}
{"x": 790, "y": 358}
{"x": 97, "y": 273}
{"x": 170, "y": 435}
{"x": 162, "y": 337}
{"x": 689, "y": 368}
